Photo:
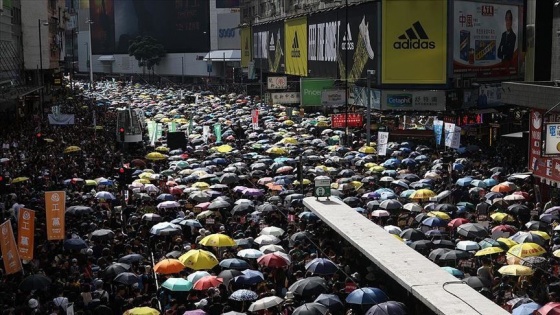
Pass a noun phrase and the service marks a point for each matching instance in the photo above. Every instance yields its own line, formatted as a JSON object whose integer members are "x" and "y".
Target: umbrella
{"x": 35, "y": 282}
{"x": 468, "y": 245}
{"x": 267, "y": 240}
{"x": 169, "y": 266}
{"x": 229, "y": 274}
{"x": 550, "y": 308}
{"x": 249, "y": 253}
{"x": 265, "y": 303}
{"x": 472, "y": 230}
{"x": 75, "y": 243}
{"x": 272, "y": 230}
{"x": 198, "y": 259}
{"x": 331, "y": 301}
{"x": 321, "y": 266}
{"x": 115, "y": 269}
{"x": 144, "y": 310}
{"x": 105, "y": 195}
{"x": 197, "y": 275}
{"x": 127, "y": 278}
{"x": 309, "y": 286}
{"x": 390, "y": 204}
{"x": 366, "y": 295}
{"x": 272, "y": 260}
{"x": 412, "y": 234}
{"x": 244, "y": 295}
{"x": 311, "y": 309}
{"x": 478, "y": 282}
{"x": 207, "y": 282}
{"x": 234, "y": 263}
{"x": 130, "y": 258}
{"x": 388, "y": 308}
{"x": 165, "y": 228}
{"x": 79, "y": 210}
{"x": 454, "y": 272}
{"x": 526, "y": 250}
{"x": 249, "y": 277}
{"x": 515, "y": 270}
{"x": 267, "y": 249}
{"x": 217, "y": 240}
{"x": 72, "y": 149}
{"x": 178, "y": 284}
{"x": 526, "y": 309}
{"x": 489, "y": 251}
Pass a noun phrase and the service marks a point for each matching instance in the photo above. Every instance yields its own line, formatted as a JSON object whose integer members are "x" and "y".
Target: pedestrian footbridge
{"x": 426, "y": 288}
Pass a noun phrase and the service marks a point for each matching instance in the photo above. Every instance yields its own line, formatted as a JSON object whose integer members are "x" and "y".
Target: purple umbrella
{"x": 195, "y": 312}
{"x": 253, "y": 192}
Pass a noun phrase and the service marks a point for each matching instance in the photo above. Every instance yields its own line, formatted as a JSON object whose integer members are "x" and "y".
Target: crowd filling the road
{"x": 219, "y": 226}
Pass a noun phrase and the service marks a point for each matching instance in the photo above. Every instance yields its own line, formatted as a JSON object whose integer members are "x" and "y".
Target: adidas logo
{"x": 295, "y": 47}
{"x": 271, "y": 44}
{"x": 347, "y": 42}
{"x": 414, "y": 38}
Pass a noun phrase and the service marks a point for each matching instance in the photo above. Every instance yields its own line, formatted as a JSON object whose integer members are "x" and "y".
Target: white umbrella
{"x": 514, "y": 197}
{"x": 386, "y": 179}
{"x": 151, "y": 188}
{"x": 165, "y": 228}
{"x": 380, "y": 213}
{"x": 264, "y": 303}
{"x": 412, "y": 207}
{"x": 249, "y": 253}
{"x": 267, "y": 240}
{"x": 168, "y": 204}
{"x": 468, "y": 245}
{"x": 390, "y": 204}
{"x": 152, "y": 217}
{"x": 393, "y": 229}
{"x": 272, "y": 230}
{"x": 243, "y": 201}
{"x": 195, "y": 276}
{"x": 267, "y": 249}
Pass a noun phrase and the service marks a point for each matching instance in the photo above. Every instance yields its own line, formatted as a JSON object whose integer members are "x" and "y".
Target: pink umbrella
{"x": 272, "y": 260}
{"x": 207, "y": 282}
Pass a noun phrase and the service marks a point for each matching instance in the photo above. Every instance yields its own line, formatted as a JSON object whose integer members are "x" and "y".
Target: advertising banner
{"x": 382, "y": 141}
{"x": 358, "y": 97}
{"x": 268, "y": 41}
{"x": 285, "y": 97}
{"x": 413, "y": 100}
{"x": 544, "y": 167}
{"x": 255, "y": 118}
{"x": 414, "y": 42}
{"x": 333, "y": 97}
{"x": 10, "y": 254}
{"x": 438, "y": 130}
{"x": 229, "y": 35}
{"x": 55, "y": 207}
{"x": 341, "y": 121}
{"x": 551, "y": 139}
{"x": 26, "y": 233}
{"x": 490, "y": 95}
{"x": 179, "y": 26}
{"x": 277, "y": 83}
{"x": 311, "y": 90}
{"x": 486, "y": 38}
{"x": 296, "y": 46}
{"x": 323, "y": 44}
{"x": 246, "y": 48}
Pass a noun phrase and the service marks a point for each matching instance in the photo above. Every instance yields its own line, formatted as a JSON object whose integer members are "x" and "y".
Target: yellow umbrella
{"x": 144, "y": 310}
{"x": 305, "y": 182}
{"x": 72, "y": 149}
{"x": 217, "y": 240}
{"x": 542, "y": 234}
{"x": 91, "y": 182}
{"x": 276, "y": 150}
{"x": 489, "y": 251}
{"x": 224, "y": 148}
{"x": 502, "y": 217}
{"x": 377, "y": 169}
{"x": 162, "y": 149}
{"x": 145, "y": 175}
{"x": 19, "y": 180}
{"x": 198, "y": 259}
{"x": 439, "y": 214}
{"x": 370, "y": 165}
{"x": 289, "y": 140}
{"x": 515, "y": 270}
{"x": 288, "y": 122}
{"x": 423, "y": 194}
{"x": 143, "y": 180}
{"x": 322, "y": 124}
{"x": 506, "y": 241}
{"x": 526, "y": 250}
{"x": 367, "y": 149}
{"x": 201, "y": 185}
{"x": 155, "y": 156}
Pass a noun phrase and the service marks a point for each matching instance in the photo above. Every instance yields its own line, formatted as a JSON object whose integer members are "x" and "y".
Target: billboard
{"x": 542, "y": 166}
{"x": 246, "y": 55}
{"x": 413, "y": 100}
{"x": 296, "y": 46}
{"x": 414, "y": 42}
{"x": 228, "y": 32}
{"x": 179, "y": 26}
{"x": 312, "y": 89}
{"x": 551, "y": 139}
{"x": 268, "y": 50}
{"x": 486, "y": 39}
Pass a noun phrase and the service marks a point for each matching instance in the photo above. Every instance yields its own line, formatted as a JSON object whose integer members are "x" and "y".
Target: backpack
{"x": 100, "y": 296}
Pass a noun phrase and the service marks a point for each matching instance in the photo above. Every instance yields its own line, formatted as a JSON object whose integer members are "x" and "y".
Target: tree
{"x": 147, "y": 50}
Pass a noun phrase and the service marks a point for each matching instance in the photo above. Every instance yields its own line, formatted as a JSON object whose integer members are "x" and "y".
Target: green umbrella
{"x": 177, "y": 284}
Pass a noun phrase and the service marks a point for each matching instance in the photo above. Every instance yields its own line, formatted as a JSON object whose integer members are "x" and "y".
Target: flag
{"x": 218, "y": 132}
{"x": 205, "y": 133}
{"x": 10, "y": 254}
{"x": 55, "y": 206}
{"x": 438, "y": 130}
{"x": 26, "y": 233}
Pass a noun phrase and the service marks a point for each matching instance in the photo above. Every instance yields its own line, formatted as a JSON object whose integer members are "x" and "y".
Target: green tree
{"x": 147, "y": 50}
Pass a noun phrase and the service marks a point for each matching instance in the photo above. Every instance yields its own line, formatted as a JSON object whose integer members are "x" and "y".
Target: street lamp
{"x": 41, "y": 76}
{"x": 89, "y": 22}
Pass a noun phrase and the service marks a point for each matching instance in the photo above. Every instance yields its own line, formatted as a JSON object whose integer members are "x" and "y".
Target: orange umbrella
{"x": 169, "y": 266}
{"x": 207, "y": 282}
{"x": 273, "y": 186}
{"x": 501, "y": 188}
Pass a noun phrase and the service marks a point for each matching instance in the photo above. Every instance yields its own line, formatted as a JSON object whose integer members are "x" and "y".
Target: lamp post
{"x": 41, "y": 76}
{"x": 370, "y": 73}
{"x": 89, "y": 22}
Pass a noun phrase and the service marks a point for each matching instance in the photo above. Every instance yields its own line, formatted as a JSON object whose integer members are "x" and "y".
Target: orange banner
{"x": 10, "y": 254}
{"x": 55, "y": 206}
{"x": 26, "y": 233}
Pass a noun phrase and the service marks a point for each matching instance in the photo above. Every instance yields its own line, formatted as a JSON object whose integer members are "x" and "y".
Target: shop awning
{"x": 223, "y": 55}
{"x": 106, "y": 58}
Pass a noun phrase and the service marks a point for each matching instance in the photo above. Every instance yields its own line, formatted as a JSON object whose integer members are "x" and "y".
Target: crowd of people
{"x": 246, "y": 186}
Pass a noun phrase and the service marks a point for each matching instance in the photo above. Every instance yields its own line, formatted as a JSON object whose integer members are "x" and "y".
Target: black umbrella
{"x": 234, "y": 263}
{"x": 421, "y": 245}
{"x": 352, "y": 201}
{"x": 127, "y": 278}
{"x": 114, "y": 269}
{"x": 478, "y": 282}
{"x": 537, "y": 225}
{"x": 102, "y": 234}
{"x": 75, "y": 243}
{"x": 412, "y": 235}
{"x": 300, "y": 236}
{"x": 311, "y": 309}
{"x": 130, "y": 258}
{"x": 218, "y": 204}
{"x": 519, "y": 209}
{"x": 229, "y": 178}
{"x": 331, "y": 301}
{"x": 173, "y": 254}
{"x": 241, "y": 209}
{"x": 443, "y": 243}
{"x": 267, "y": 207}
{"x": 79, "y": 210}
{"x": 454, "y": 255}
{"x": 389, "y": 307}
{"x": 436, "y": 253}
{"x": 35, "y": 282}
{"x": 472, "y": 230}
{"x": 446, "y": 207}
{"x": 228, "y": 275}
{"x": 308, "y": 287}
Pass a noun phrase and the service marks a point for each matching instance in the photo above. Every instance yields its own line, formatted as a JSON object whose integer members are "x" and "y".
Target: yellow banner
{"x": 414, "y": 42}
{"x": 246, "y": 47}
{"x": 295, "y": 46}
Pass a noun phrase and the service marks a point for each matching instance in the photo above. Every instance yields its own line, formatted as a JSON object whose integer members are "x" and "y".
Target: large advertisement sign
{"x": 544, "y": 167}
{"x": 413, "y": 100}
{"x": 246, "y": 46}
{"x": 296, "y": 47}
{"x": 268, "y": 50}
{"x": 551, "y": 139}
{"x": 486, "y": 39}
{"x": 312, "y": 89}
{"x": 228, "y": 31}
{"x": 414, "y": 42}
{"x": 180, "y": 26}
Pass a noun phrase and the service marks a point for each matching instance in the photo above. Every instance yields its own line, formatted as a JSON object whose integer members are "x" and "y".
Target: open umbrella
{"x": 478, "y": 282}
{"x": 267, "y": 240}
{"x": 144, "y": 310}
{"x": 272, "y": 260}
{"x": 198, "y": 259}
{"x": 234, "y": 263}
{"x": 169, "y": 266}
{"x": 115, "y": 269}
{"x": 35, "y": 282}
{"x": 249, "y": 277}
{"x": 388, "y": 308}
{"x": 166, "y": 228}
{"x": 265, "y": 303}
{"x": 207, "y": 282}
{"x": 217, "y": 240}
{"x": 127, "y": 278}
{"x": 516, "y": 270}
{"x": 331, "y": 301}
{"x": 472, "y": 230}
{"x": 131, "y": 258}
{"x": 366, "y": 295}
{"x": 178, "y": 284}
{"x": 526, "y": 309}
{"x": 197, "y": 275}
{"x": 75, "y": 243}
{"x": 321, "y": 266}
{"x": 311, "y": 309}
{"x": 309, "y": 286}
{"x": 249, "y": 253}
{"x": 244, "y": 295}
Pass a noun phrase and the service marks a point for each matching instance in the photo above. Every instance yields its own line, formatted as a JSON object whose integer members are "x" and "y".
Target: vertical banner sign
{"x": 449, "y": 131}
{"x": 382, "y": 141}
{"x": 295, "y": 46}
{"x": 414, "y": 37}
{"x": 10, "y": 255}
{"x": 26, "y": 233}
{"x": 245, "y": 46}
{"x": 218, "y": 132}
{"x": 438, "y": 130}
{"x": 205, "y": 133}
{"x": 456, "y": 138}
{"x": 255, "y": 118}
{"x": 55, "y": 206}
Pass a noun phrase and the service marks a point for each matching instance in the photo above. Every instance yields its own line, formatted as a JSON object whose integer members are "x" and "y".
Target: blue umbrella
{"x": 526, "y": 309}
{"x": 490, "y": 182}
{"x": 220, "y": 161}
{"x": 234, "y": 263}
{"x": 387, "y": 195}
{"x": 454, "y": 272}
{"x": 458, "y": 166}
{"x": 191, "y": 223}
{"x": 129, "y": 259}
{"x": 419, "y": 185}
{"x": 407, "y": 193}
{"x": 331, "y": 301}
{"x": 421, "y": 158}
{"x": 409, "y": 162}
{"x": 249, "y": 277}
{"x": 165, "y": 197}
{"x": 309, "y": 216}
{"x": 434, "y": 221}
{"x": 380, "y": 190}
{"x": 243, "y": 295}
{"x": 366, "y": 295}
{"x": 465, "y": 181}
{"x": 75, "y": 243}
{"x": 391, "y": 163}
{"x": 493, "y": 195}
{"x": 321, "y": 266}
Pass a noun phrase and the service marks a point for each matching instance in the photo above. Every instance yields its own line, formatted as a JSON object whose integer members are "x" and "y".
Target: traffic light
{"x": 121, "y": 134}
{"x": 122, "y": 175}
{"x": 39, "y": 137}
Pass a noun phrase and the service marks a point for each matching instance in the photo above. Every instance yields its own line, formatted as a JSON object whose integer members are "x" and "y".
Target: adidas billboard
{"x": 414, "y": 38}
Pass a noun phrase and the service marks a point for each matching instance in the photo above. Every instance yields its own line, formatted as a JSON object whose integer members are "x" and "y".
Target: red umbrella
{"x": 272, "y": 260}
{"x": 207, "y": 282}
{"x": 184, "y": 156}
{"x": 552, "y": 308}
{"x": 522, "y": 193}
{"x": 175, "y": 191}
{"x": 456, "y": 222}
{"x": 504, "y": 228}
